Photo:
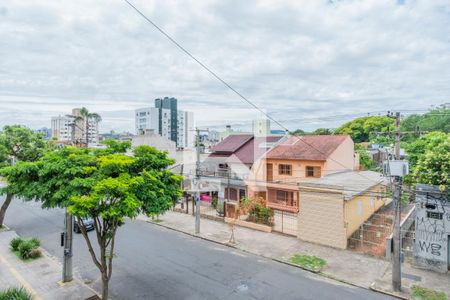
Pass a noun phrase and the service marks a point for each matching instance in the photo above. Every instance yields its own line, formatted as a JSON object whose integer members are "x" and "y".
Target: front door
{"x": 269, "y": 172}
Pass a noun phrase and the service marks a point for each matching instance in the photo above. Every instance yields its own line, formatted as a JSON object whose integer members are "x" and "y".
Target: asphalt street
{"x": 156, "y": 263}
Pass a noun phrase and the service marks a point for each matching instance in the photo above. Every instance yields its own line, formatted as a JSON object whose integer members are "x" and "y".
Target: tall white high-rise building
{"x": 160, "y": 120}
{"x": 66, "y": 129}
{"x": 150, "y": 118}
{"x": 61, "y": 129}
{"x": 185, "y": 129}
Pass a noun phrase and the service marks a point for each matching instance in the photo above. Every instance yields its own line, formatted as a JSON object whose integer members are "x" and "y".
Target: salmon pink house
{"x": 277, "y": 176}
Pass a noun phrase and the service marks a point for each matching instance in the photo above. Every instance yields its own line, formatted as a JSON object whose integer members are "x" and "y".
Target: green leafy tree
{"x": 420, "y": 146}
{"x": 434, "y": 166}
{"x": 298, "y": 132}
{"x": 361, "y": 129}
{"x": 437, "y": 119}
{"x": 17, "y": 144}
{"x": 364, "y": 158}
{"x": 115, "y": 146}
{"x": 322, "y": 131}
{"x": 107, "y": 187}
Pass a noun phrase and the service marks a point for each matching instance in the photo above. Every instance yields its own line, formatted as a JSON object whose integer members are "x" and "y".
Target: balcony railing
{"x": 282, "y": 205}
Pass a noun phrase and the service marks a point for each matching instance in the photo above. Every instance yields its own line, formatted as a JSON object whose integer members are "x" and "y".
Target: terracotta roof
{"x": 255, "y": 148}
{"x": 310, "y": 147}
{"x": 231, "y": 143}
{"x": 244, "y": 148}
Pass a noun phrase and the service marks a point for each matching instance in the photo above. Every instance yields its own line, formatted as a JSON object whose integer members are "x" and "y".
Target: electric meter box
{"x": 396, "y": 168}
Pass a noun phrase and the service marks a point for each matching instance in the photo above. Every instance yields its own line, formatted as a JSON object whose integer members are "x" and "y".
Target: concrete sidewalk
{"x": 343, "y": 265}
{"x": 41, "y": 277}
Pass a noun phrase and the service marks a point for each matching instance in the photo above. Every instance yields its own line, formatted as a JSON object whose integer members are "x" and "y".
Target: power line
{"x": 204, "y": 66}
{"x": 222, "y": 80}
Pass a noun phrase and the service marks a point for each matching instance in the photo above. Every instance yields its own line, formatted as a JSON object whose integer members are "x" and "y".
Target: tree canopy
{"x": 361, "y": 129}
{"x": 433, "y": 166}
{"x": 22, "y": 145}
{"x": 437, "y": 119}
{"x": 107, "y": 186}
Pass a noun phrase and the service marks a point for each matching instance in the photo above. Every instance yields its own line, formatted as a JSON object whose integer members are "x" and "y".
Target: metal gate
{"x": 285, "y": 222}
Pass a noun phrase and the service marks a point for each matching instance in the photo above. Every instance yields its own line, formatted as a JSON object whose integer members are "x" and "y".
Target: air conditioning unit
{"x": 396, "y": 168}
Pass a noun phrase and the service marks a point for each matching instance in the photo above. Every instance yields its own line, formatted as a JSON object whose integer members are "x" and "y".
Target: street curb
{"x": 392, "y": 294}
{"x": 371, "y": 288}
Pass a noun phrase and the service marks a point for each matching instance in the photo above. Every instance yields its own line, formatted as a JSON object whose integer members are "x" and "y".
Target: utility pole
{"x": 68, "y": 238}
{"x": 397, "y": 168}
{"x": 197, "y": 179}
{"x": 68, "y": 233}
{"x": 396, "y": 264}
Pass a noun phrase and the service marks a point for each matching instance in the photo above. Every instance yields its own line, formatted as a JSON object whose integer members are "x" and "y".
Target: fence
{"x": 372, "y": 235}
{"x": 187, "y": 205}
{"x": 285, "y": 222}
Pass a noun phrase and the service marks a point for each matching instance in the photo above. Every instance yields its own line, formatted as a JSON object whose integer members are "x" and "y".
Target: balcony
{"x": 286, "y": 200}
{"x": 282, "y": 205}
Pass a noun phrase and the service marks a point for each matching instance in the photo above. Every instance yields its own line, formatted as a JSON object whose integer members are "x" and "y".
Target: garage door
{"x": 285, "y": 222}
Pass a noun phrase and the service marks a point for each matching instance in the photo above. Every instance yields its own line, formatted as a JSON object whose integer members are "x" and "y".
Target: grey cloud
{"x": 296, "y": 59}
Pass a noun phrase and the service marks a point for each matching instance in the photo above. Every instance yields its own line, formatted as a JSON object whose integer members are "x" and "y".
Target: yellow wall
{"x": 370, "y": 203}
{"x": 326, "y": 218}
{"x": 321, "y": 218}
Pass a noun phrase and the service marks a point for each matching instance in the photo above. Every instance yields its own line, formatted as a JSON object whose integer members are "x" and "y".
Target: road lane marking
{"x": 22, "y": 280}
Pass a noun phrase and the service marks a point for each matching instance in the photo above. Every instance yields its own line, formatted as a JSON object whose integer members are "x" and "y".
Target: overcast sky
{"x": 301, "y": 61}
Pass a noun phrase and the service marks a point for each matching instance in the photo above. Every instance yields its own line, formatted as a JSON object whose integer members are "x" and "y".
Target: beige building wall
{"x": 361, "y": 208}
{"x": 298, "y": 168}
{"x": 342, "y": 159}
{"x": 321, "y": 218}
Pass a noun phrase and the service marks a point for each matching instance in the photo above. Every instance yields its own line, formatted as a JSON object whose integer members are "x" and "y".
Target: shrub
{"x": 25, "y": 249}
{"x": 260, "y": 214}
{"x": 427, "y": 294}
{"x": 15, "y": 294}
{"x": 35, "y": 253}
{"x": 15, "y": 243}
{"x": 36, "y": 242}
{"x": 309, "y": 262}
{"x": 214, "y": 202}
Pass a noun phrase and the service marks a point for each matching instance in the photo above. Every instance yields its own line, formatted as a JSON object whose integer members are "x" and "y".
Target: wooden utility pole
{"x": 396, "y": 264}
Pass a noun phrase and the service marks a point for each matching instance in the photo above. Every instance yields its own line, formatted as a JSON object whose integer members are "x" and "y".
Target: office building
{"x": 167, "y": 121}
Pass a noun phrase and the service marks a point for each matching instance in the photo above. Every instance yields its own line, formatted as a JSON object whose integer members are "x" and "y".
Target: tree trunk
{"x": 4, "y": 208}
{"x": 105, "y": 285}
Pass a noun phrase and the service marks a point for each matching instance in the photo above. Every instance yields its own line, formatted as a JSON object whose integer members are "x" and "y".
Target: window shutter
{"x": 317, "y": 172}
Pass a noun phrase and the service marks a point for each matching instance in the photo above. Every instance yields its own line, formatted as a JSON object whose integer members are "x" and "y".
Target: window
{"x": 282, "y": 195}
{"x": 434, "y": 215}
{"x": 313, "y": 171}
{"x": 284, "y": 169}
{"x": 286, "y": 197}
{"x": 360, "y": 208}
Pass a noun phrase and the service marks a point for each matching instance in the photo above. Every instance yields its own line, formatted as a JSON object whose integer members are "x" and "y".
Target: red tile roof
{"x": 310, "y": 147}
{"x": 255, "y": 148}
{"x": 232, "y": 143}
{"x": 245, "y": 148}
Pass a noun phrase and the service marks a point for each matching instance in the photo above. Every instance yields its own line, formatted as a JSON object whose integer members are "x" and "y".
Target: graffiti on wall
{"x": 432, "y": 230}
